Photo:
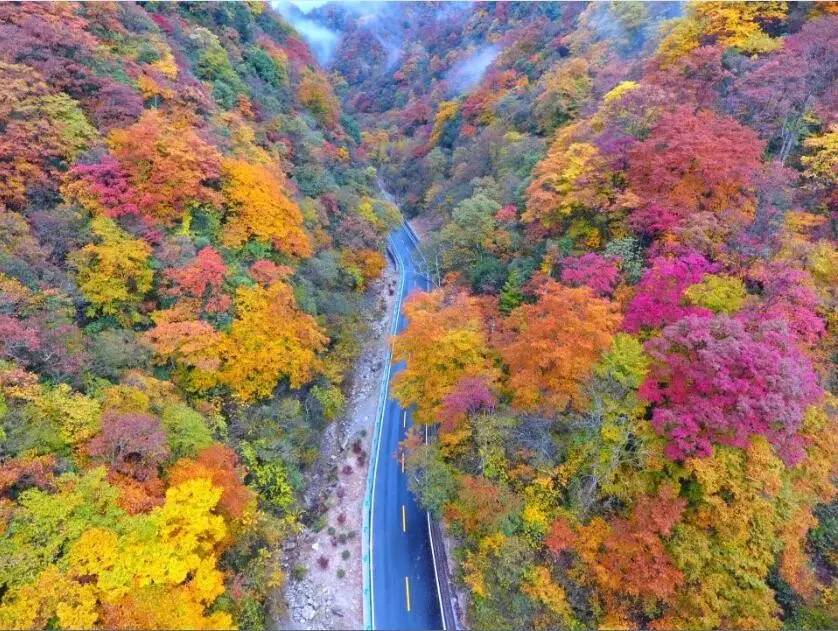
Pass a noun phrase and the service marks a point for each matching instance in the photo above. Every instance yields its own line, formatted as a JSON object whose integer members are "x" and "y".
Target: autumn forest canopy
{"x": 186, "y": 234}
{"x": 628, "y": 360}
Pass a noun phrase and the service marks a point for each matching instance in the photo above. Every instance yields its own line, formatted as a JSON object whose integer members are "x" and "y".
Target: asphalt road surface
{"x": 404, "y": 592}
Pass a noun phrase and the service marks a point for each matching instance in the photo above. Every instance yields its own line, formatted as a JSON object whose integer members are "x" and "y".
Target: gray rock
{"x": 337, "y": 612}
{"x": 308, "y": 613}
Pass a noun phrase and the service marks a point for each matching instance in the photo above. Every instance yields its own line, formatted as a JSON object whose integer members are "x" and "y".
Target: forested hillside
{"x": 186, "y": 231}
{"x": 629, "y": 363}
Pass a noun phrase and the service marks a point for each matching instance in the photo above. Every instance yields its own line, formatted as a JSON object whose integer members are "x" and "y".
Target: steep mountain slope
{"x": 629, "y": 366}
{"x": 629, "y": 363}
{"x": 186, "y": 231}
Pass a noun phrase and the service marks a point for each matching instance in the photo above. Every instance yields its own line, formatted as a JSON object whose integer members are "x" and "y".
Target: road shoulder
{"x": 320, "y": 598}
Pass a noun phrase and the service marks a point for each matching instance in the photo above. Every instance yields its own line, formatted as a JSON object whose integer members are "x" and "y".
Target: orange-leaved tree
{"x": 168, "y": 163}
{"x": 220, "y": 465}
{"x": 572, "y": 178}
{"x": 189, "y": 345}
{"x": 626, "y": 558}
{"x": 443, "y": 342}
{"x": 551, "y": 346}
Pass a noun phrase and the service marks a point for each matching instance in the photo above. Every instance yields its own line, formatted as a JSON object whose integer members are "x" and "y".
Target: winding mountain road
{"x": 401, "y": 589}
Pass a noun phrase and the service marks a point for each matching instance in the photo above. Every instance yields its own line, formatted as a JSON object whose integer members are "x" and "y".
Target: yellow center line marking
{"x": 407, "y": 591}
{"x": 404, "y": 419}
{"x": 404, "y": 519}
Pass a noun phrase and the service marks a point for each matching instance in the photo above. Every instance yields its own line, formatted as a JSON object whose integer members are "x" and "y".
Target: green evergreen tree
{"x": 511, "y": 295}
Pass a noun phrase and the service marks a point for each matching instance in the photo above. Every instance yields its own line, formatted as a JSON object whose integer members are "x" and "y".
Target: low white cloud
{"x": 467, "y": 73}
{"x": 320, "y": 39}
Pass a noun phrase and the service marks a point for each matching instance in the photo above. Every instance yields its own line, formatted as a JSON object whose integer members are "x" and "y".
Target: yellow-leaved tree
{"x": 570, "y": 180}
{"x": 259, "y": 208}
{"x": 114, "y": 273}
{"x": 821, "y": 161}
{"x": 270, "y": 339}
{"x": 738, "y": 25}
{"x": 155, "y": 570}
